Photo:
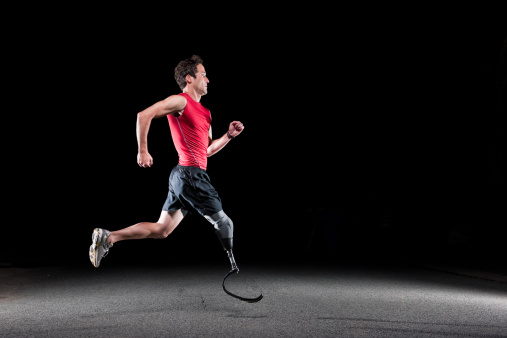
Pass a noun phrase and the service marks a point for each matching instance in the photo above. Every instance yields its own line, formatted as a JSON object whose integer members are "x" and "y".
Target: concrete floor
{"x": 300, "y": 300}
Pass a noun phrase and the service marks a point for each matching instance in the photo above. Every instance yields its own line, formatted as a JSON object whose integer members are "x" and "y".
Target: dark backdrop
{"x": 367, "y": 135}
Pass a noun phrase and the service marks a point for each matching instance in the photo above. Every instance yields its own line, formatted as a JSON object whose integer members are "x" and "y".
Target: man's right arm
{"x": 173, "y": 105}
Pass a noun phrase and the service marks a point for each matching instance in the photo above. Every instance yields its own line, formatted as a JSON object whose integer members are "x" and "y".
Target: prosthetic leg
{"x": 224, "y": 229}
{"x": 227, "y": 244}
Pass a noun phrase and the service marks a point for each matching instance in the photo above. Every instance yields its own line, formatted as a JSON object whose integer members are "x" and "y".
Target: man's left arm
{"x": 235, "y": 128}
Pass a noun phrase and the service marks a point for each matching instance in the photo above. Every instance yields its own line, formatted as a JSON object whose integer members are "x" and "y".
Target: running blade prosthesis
{"x": 236, "y": 270}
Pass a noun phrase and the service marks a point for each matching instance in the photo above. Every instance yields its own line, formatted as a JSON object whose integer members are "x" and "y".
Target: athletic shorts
{"x": 190, "y": 190}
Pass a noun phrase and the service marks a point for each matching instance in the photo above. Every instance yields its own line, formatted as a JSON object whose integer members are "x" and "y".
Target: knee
{"x": 162, "y": 231}
{"x": 223, "y": 225}
{"x": 165, "y": 234}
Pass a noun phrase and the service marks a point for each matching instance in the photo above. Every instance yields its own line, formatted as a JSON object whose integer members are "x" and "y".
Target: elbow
{"x": 154, "y": 111}
{"x": 210, "y": 152}
{"x": 143, "y": 119}
{"x": 142, "y": 115}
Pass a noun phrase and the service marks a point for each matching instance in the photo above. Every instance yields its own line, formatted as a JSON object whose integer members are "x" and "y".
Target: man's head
{"x": 190, "y": 71}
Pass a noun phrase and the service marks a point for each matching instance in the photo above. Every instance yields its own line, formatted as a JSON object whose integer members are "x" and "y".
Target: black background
{"x": 374, "y": 133}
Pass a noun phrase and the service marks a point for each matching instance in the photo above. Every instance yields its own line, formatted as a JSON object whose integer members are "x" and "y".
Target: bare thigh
{"x": 170, "y": 220}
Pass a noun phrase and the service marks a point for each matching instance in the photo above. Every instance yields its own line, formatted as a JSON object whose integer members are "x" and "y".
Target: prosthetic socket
{"x": 224, "y": 229}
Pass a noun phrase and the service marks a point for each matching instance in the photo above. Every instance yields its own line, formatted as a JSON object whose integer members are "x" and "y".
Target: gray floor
{"x": 299, "y": 301}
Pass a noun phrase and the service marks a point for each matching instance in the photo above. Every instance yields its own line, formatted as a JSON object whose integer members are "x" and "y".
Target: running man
{"x": 189, "y": 184}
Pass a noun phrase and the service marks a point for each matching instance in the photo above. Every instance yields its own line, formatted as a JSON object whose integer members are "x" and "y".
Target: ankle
{"x": 111, "y": 239}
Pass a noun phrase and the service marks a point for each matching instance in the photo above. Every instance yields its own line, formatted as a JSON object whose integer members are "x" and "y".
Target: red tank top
{"x": 190, "y": 133}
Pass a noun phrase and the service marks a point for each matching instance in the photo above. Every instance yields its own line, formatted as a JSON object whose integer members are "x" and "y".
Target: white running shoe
{"x": 100, "y": 246}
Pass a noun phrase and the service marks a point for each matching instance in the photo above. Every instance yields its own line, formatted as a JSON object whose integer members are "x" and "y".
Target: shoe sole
{"x": 96, "y": 239}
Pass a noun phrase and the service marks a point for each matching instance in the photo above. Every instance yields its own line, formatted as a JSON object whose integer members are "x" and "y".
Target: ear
{"x": 189, "y": 78}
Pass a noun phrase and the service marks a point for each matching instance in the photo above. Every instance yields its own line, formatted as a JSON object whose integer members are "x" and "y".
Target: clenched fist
{"x": 235, "y": 128}
{"x": 144, "y": 160}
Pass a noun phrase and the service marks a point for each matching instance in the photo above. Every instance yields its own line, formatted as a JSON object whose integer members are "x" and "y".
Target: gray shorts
{"x": 190, "y": 190}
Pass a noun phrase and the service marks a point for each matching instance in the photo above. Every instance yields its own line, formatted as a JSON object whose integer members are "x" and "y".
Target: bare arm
{"x": 173, "y": 105}
{"x": 235, "y": 128}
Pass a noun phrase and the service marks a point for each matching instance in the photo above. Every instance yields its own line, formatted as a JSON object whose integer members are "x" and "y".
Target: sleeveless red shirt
{"x": 190, "y": 133}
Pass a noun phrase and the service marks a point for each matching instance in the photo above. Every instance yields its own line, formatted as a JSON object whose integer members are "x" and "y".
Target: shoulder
{"x": 171, "y": 105}
{"x": 177, "y": 99}
{"x": 174, "y": 104}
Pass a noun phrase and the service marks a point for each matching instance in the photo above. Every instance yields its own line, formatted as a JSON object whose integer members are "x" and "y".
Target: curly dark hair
{"x": 186, "y": 67}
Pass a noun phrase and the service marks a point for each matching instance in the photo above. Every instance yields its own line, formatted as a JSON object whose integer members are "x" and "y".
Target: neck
{"x": 192, "y": 93}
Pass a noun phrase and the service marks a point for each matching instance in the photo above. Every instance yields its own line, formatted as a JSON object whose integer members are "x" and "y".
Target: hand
{"x": 144, "y": 160}
{"x": 235, "y": 128}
